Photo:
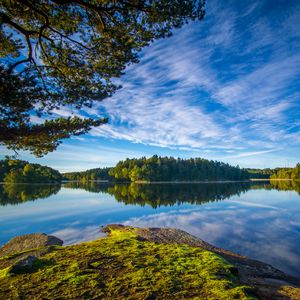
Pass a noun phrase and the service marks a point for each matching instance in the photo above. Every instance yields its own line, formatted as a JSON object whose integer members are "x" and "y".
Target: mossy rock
{"x": 140, "y": 263}
{"x": 27, "y": 242}
{"x": 122, "y": 266}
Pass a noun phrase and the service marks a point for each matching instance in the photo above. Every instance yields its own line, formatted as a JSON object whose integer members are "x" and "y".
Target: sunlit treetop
{"x": 62, "y": 52}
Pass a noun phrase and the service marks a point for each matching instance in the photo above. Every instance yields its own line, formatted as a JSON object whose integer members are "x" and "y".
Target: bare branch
{"x": 29, "y": 56}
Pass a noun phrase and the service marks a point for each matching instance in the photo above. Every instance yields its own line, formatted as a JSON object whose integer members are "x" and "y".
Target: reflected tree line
{"x": 19, "y": 193}
{"x": 157, "y": 195}
{"x": 154, "y": 195}
{"x": 285, "y": 185}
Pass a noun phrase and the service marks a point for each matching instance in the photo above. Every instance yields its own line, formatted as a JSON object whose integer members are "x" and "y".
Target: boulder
{"x": 28, "y": 242}
{"x": 265, "y": 280}
{"x": 23, "y": 265}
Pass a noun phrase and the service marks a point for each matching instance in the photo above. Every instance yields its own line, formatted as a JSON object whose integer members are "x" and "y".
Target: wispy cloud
{"x": 205, "y": 87}
{"x": 229, "y": 83}
{"x": 256, "y": 153}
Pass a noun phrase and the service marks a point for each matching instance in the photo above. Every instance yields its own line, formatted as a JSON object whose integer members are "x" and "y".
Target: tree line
{"x": 154, "y": 168}
{"x": 20, "y": 171}
{"x": 261, "y": 173}
{"x": 158, "y": 168}
{"x": 287, "y": 173}
{"x": 89, "y": 175}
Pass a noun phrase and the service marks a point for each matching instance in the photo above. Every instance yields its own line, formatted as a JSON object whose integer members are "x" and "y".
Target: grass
{"x": 122, "y": 266}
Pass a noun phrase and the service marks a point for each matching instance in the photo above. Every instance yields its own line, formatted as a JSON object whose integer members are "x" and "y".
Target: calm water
{"x": 260, "y": 220}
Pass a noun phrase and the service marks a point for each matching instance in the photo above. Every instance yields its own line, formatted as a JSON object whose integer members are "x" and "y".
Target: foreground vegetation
{"x": 20, "y": 171}
{"x": 57, "y": 53}
{"x": 118, "y": 267}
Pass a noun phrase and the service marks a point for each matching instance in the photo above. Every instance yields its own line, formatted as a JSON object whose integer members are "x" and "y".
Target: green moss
{"x": 4, "y": 272}
{"x": 291, "y": 292}
{"x": 121, "y": 267}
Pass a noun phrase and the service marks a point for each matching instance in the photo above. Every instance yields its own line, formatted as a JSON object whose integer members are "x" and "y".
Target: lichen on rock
{"x": 28, "y": 242}
{"x": 130, "y": 263}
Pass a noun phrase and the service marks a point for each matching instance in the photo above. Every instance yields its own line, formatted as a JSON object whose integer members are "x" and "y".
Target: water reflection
{"x": 265, "y": 231}
{"x": 20, "y": 193}
{"x": 285, "y": 185}
{"x": 169, "y": 194}
{"x": 155, "y": 195}
{"x": 253, "y": 219}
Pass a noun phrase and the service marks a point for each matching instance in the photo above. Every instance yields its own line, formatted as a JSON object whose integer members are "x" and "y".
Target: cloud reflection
{"x": 72, "y": 235}
{"x": 250, "y": 231}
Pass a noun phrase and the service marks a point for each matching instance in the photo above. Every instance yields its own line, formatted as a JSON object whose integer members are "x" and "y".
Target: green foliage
{"x": 288, "y": 173}
{"x": 170, "y": 169}
{"x": 261, "y": 173}
{"x": 11, "y": 193}
{"x": 19, "y": 171}
{"x": 122, "y": 266}
{"x": 67, "y": 52}
{"x": 89, "y": 175}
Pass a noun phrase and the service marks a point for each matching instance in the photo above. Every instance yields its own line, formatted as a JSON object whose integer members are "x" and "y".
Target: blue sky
{"x": 227, "y": 88}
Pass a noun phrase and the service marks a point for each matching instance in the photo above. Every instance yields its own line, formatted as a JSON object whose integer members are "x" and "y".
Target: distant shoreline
{"x": 149, "y": 182}
{"x": 199, "y": 181}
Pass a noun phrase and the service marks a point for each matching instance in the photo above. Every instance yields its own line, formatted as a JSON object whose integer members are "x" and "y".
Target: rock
{"x": 23, "y": 265}
{"x": 28, "y": 242}
{"x": 108, "y": 228}
{"x": 266, "y": 281}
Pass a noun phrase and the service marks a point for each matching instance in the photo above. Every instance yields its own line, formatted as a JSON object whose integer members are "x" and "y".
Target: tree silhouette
{"x": 67, "y": 52}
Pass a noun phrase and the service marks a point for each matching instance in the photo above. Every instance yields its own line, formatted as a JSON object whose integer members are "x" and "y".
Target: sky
{"x": 226, "y": 88}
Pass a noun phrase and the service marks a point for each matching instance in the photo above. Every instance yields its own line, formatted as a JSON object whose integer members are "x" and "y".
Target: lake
{"x": 260, "y": 219}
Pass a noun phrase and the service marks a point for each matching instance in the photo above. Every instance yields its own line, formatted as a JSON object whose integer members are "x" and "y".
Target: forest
{"x": 20, "y": 171}
{"x": 287, "y": 173}
{"x": 172, "y": 169}
{"x": 261, "y": 173}
{"x": 89, "y": 175}
{"x": 151, "y": 169}
{"x": 158, "y": 168}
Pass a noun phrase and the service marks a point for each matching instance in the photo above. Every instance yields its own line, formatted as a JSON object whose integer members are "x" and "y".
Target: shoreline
{"x": 148, "y": 182}
{"x": 264, "y": 280}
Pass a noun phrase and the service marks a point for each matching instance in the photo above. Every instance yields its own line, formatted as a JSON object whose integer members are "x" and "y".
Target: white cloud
{"x": 229, "y": 83}
{"x": 181, "y": 95}
{"x": 256, "y": 153}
